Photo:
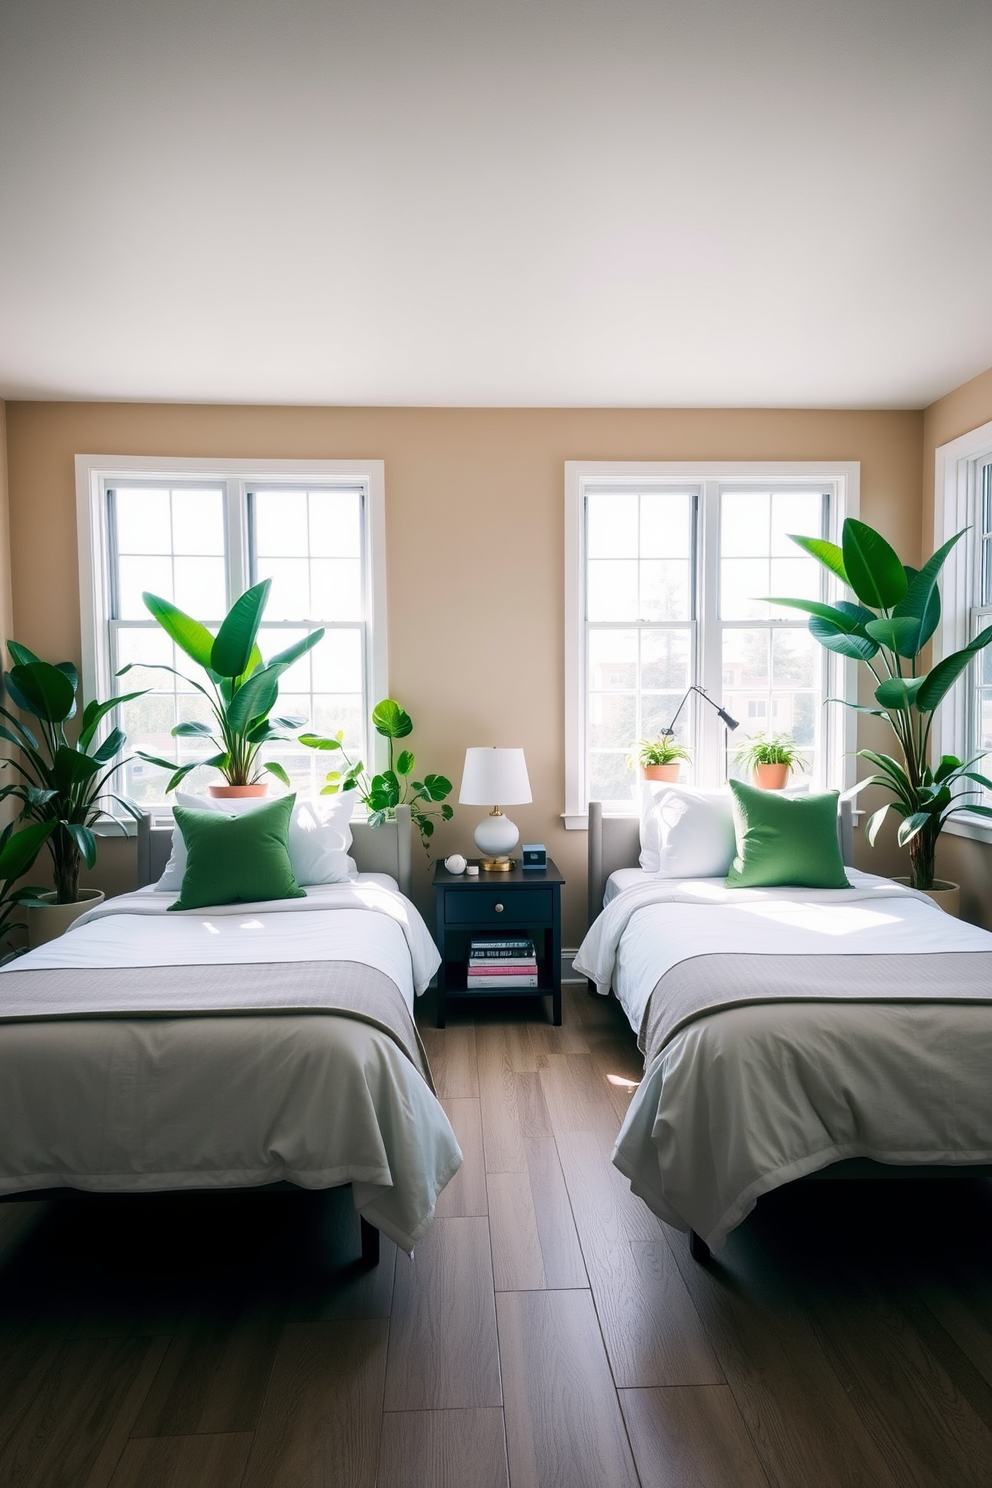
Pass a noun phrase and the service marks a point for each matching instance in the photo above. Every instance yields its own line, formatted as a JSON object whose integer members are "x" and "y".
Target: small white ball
{"x": 456, "y": 863}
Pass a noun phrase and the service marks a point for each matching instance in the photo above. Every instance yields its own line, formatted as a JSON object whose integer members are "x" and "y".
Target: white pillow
{"x": 686, "y": 833}
{"x": 319, "y": 837}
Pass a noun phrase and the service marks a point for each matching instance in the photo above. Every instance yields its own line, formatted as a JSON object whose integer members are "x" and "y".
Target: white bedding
{"x": 112, "y": 1104}
{"x": 750, "y": 1098}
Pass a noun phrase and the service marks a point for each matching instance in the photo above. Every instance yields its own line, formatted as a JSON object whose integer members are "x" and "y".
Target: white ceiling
{"x": 496, "y": 202}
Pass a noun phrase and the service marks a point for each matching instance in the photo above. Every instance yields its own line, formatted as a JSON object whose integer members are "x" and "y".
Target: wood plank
{"x": 466, "y": 1194}
{"x": 576, "y": 1096}
{"x": 690, "y": 1438}
{"x": 804, "y": 1427}
{"x": 532, "y": 1108}
{"x": 442, "y": 1449}
{"x": 70, "y": 1426}
{"x": 214, "y": 1376}
{"x": 564, "y": 1428}
{"x": 560, "y": 1249}
{"x": 498, "y": 1091}
{"x": 518, "y": 1265}
{"x": 442, "y": 1337}
{"x": 452, "y": 1058}
{"x": 652, "y": 1332}
{"x": 322, "y": 1414}
{"x": 182, "y": 1461}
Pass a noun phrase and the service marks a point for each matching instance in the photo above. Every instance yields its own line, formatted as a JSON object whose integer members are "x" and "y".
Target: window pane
{"x": 799, "y": 512}
{"x": 795, "y": 658}
{"x": 136, "y": 575}
{"x": 666, "y": 525}
{"x": 744, "y": 523}
{"x": 337, "y": 662}
{"x": 198, "y": 523}
{"x": 281, "y": 528}
{"x": 336, "y": 588}
{"x": 289, "y": 597}
{"x": 743, "y": 582}
{"x": 611, "y": 778}
{"x": 612, "y": 590}
{"x": 795, "y": 578}
{"x": 664, "y": 590}
{"x": 665, "y": 659}
{"x": 612, "y": 659}
{"x": 611, "y": 525}
{"x": 142, "y": 519}
{"x": 613, "y": 720}
{"x": 745, "y": 660}
{"x": 201, "y": 588}
{"x": 335, "y": 524}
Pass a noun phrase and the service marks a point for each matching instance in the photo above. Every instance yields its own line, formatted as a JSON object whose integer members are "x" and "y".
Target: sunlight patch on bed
{"x": 822, "y": 919}
{"x": 210, "y": 929}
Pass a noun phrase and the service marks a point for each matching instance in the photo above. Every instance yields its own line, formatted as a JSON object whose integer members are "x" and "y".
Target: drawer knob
{"x": 498, "y": 908}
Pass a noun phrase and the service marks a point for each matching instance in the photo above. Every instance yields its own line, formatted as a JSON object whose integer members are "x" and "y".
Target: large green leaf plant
{"x": 395, "y": 785}
{"x": 240, "y": 688}
{"x": 887, "y": 629}
{"x": 61, "y": 783}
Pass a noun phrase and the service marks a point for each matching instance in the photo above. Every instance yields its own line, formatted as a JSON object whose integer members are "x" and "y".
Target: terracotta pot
{"x": 661, "y": 772}
{"x": 50, "y": 920}
{"x": 944, "y": 893}
{"x": 770, "y": 777}
{"x": 238, "y": 792}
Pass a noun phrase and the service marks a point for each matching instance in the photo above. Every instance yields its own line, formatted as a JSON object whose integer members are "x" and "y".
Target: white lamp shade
{"x": 494, "y": 777}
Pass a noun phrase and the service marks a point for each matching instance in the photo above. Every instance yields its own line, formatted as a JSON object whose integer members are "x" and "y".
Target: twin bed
{"x": 232, "y": 1047}
{"x": 787, "y": 1032}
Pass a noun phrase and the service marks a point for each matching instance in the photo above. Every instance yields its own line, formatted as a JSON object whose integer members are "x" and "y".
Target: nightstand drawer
{"x": 498, "y": 907}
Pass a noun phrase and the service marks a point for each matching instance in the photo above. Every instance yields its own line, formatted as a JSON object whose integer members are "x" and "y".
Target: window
{"x": 199, "y": 534}
{"x": 666, "y": 566}
{"x": 963, "y": 499}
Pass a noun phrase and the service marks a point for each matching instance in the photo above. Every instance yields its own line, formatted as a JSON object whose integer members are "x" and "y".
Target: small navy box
{"x": 533, "y": 855}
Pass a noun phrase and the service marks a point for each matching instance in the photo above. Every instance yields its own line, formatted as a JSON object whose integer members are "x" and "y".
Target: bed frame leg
{"x": 698, "y": 1248}
{"x": 370, "y": 1243}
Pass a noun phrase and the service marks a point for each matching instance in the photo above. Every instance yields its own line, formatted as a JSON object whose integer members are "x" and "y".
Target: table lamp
{"x": 495, "y": 775}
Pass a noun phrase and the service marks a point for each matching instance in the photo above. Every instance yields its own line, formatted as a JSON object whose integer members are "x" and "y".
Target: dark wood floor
{"x": 549, "y": 1331}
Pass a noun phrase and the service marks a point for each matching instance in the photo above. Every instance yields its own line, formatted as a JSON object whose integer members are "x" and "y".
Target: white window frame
{"x": 957, "y": 503}
{"x": 841, "y": 479}
{"x": 93, "y": 471}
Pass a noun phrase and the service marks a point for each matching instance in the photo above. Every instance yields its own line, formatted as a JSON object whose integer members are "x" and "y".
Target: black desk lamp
{"x": 721, "y": 713}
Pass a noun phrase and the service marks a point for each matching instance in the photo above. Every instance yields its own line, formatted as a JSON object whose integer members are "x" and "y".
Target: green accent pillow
{"x": 785, "y": 841}
{"x": 237, "y": 859}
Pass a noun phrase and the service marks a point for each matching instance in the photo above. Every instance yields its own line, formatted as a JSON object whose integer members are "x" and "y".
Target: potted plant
{"x": 768, "y": 759}
{"x": 18, "y": 850}
{"x": 896, "y": 612}
{"x": 240, "y": 688}
{"x": 661, "y": 758}
{"x": 62, "y": 784}
{"x": 394, "y": 786}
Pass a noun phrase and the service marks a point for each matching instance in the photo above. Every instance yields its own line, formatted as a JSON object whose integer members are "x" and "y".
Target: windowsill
{"x": 964, "y": 825}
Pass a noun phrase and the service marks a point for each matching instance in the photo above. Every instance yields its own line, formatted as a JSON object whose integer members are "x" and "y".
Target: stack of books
{"x": 501, "y": 963}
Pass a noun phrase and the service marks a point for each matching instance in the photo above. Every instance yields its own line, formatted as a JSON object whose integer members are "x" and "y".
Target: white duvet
{"x": 112, "y": 1104}
{"x": 746, "y": 1099}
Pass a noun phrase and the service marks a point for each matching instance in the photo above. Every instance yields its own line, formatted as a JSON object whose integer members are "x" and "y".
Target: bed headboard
{"x": 615, "y": 842}
{"x": 385, "y": 849}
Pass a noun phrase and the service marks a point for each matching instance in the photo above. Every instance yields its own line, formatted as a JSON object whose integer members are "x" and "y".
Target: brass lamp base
{"x": 497, "y": 865}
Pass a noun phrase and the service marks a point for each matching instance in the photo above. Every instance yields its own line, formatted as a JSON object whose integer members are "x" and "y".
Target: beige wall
{"x": 474, "y": 516}
{"x": 967, "y": 407}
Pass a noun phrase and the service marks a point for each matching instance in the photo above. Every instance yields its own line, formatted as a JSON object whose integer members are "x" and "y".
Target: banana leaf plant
{"x": 896, "y": 612}
{"x": 61, "y": 783}
{"x": 394, "y": 786}
{"x": 241, "y": 689}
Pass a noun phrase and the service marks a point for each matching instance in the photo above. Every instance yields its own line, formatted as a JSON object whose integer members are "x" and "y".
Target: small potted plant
{"x": 242, "y": 691}
{"x": 661, "y": 758}
{"x": 395, "y": 786}
{"x": 768, "y": 758}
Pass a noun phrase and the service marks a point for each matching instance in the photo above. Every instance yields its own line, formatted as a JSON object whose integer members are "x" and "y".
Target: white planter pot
{"x": 48, "y": 921}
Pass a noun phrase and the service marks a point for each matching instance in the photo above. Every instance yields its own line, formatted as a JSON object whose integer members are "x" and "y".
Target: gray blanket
{"x": 345, "y": 988}
{"x": 702, "y": 985}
